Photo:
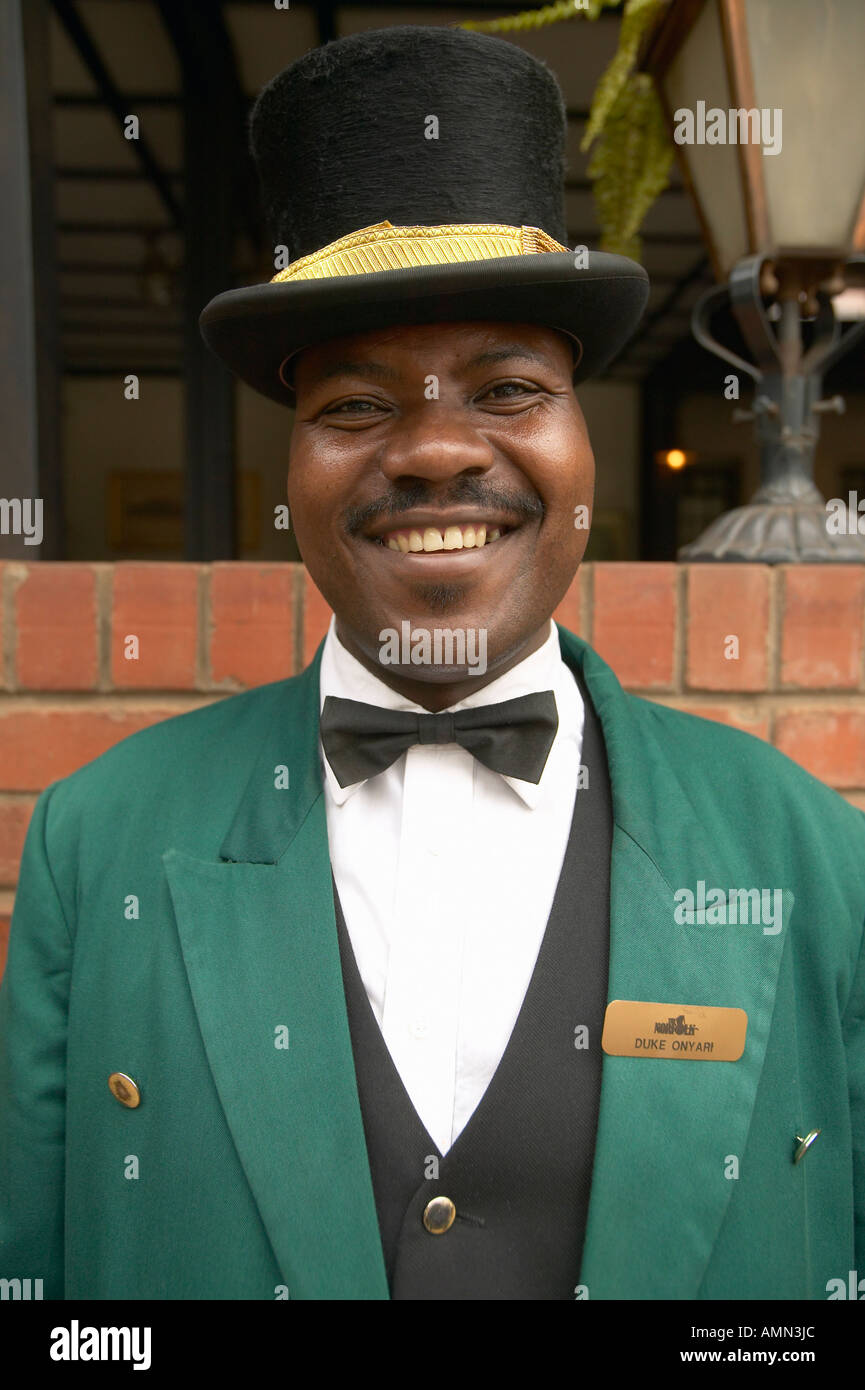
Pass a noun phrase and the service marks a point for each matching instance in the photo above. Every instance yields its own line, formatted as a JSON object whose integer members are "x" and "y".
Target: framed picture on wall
{"x": 706, "y": 490}
{"x": 852, "y": 477}
{"x": 145, "y": 511}
{"x": 611, "y": 535}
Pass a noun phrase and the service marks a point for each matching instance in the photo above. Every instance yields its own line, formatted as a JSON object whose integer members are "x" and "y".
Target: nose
{"x": 435, "y": 442}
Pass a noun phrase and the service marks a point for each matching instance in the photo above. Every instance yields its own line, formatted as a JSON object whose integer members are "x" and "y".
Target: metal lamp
{"x": 766, "y": 104}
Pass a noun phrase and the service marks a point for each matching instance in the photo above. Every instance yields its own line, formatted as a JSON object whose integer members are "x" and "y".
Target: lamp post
{"x": 766, "y": 104}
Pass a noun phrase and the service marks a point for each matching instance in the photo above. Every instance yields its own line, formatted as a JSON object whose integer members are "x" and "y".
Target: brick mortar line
{"x": 777, "y": 620}
{"x": 15, "y": 574}
{"x": 204, "y": 628}
{"x": 774, "y": 636}
{"x": 159, "y": 697}
{"x": 104, "y": 624}
{"x": 587, "y": 601}
{"x": 781, "y": 701}
{"x": 681, "y": 611}
{"x": 101, "y": 701}
{"x": 7, "y": 616}
{"x": 298, "y": 596}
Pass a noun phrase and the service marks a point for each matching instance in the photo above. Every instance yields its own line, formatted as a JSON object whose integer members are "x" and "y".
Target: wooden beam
{"x": 699, "y": 271}
{"x": 470, "y": 7}
{"x": 588, "y": 236}
{"x": 89, "y": 100}
{"x": 29, "y": 367}
{"x": 585, "y": 186}
{"x": 111, "y": 175}
{"x": 325, "y": 14}
{"x": 77, "y": 227}
{"x": 117, "y": 104}
{"x": 213, "y": 139}
{"x": 660, "y": 398}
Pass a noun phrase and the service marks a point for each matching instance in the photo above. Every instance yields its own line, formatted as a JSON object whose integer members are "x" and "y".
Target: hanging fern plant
{"x": 633, "y": 155}
{"x": 630, "y": 165}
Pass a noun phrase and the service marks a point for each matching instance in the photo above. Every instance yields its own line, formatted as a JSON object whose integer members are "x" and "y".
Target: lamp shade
{"x": 766, "y": 104}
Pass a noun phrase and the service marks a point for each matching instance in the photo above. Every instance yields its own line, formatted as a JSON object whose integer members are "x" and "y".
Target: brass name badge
{"x": 696, "y": 1031}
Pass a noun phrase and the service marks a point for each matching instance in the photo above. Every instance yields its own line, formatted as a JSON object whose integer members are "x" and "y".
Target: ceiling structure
{"x": 120, "y": 201}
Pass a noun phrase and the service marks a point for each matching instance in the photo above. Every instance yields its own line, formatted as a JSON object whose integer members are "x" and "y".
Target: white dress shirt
{"x": 446, "y": 872}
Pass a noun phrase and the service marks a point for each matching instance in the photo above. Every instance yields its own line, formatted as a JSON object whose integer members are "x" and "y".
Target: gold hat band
{"x": 385, "y": 247}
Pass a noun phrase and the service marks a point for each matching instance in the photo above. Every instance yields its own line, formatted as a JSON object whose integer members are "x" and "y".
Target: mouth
{"x": 451, "y": 537}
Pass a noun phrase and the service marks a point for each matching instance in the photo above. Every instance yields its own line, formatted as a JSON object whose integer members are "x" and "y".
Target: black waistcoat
{"x": 520, "y": 1172}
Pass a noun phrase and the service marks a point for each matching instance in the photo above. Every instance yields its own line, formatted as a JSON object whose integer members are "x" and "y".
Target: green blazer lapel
{"x": 667, "y": 1125}
{"x": 259, "y": 942}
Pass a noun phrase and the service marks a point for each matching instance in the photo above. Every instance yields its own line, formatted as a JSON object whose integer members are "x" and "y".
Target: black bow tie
{"x": 513, "y": 737}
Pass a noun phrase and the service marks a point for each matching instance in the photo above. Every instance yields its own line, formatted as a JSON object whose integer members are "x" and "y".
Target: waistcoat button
{"x": 439, "y": 1215}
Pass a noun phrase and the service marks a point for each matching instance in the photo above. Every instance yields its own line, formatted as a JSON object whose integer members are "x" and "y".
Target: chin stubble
{"x": 438, "y": 598}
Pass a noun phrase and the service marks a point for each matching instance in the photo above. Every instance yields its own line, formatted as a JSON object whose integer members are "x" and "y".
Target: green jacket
{"x": 175, "y": 916}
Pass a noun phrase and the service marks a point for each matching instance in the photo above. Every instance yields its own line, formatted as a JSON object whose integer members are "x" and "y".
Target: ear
{"x": 286, "y": 376}
{"x": 576, "y": 348}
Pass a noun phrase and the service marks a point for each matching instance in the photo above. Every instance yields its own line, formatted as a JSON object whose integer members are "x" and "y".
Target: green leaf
{"x": 630, "y": 165}
{"x": 637, "y": 17}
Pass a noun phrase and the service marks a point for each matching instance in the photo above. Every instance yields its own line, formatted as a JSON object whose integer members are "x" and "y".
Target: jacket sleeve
{"x": 34, "y": 998}
{"x": 854, "y": 1040}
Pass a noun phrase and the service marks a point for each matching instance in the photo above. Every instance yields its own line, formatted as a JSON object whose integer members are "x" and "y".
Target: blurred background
{"x": 112, "y": 245}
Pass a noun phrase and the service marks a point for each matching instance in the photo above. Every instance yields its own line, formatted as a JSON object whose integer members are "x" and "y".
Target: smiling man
{"x": 401, "y": 979}
{"x": 459, "y": 507}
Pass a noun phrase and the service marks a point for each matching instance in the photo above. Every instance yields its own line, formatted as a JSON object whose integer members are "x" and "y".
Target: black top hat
{"x": 415, "y": 175}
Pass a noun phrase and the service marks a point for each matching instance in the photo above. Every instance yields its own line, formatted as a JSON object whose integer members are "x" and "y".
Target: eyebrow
{"x": 384, "y": 373}
{"x": 507, "y": 352}
{"x": 347, "y": 368}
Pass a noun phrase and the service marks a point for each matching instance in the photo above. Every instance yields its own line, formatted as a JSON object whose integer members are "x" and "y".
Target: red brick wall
{"x": 67, "y": 693}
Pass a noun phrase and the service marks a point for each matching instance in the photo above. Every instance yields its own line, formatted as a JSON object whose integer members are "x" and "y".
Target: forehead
{"x": 434, "y": 345}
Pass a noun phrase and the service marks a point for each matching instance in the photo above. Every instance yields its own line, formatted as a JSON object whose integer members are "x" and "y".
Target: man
{"x": 454, "y": 971}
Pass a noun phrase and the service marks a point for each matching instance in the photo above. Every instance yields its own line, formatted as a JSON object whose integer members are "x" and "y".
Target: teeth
{"x": 468, "y": 537}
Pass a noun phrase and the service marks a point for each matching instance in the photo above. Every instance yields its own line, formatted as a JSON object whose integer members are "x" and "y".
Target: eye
{"x": 509, "y": 386}
{"x": 351, "y": 407}
{"x": 510, "y": 391}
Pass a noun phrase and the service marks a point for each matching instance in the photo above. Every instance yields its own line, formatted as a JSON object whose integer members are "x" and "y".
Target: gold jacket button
{"x": 438, "y": 1215}
{"x": 803, "y": 1145}
{"x": 124, "y": 1089}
